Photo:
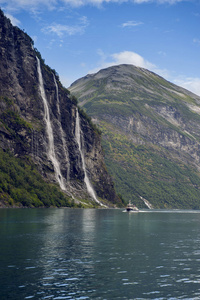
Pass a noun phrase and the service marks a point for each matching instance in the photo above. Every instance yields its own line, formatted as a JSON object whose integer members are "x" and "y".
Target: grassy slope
{"x": 149, "y": 171}
{"x": 144, "y": 171}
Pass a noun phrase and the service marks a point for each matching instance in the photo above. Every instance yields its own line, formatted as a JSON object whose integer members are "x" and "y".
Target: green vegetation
{"x": 22, "y": 185}
{"x": 12, "y": 120}
{"x": 9, "y": 117}
{"x": 88, "y": 118}
{"x": 137, "y": 112}
{"x": 140, "y": 170}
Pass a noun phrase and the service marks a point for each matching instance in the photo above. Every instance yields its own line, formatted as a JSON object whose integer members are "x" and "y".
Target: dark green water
{"x": 99, "y": 254}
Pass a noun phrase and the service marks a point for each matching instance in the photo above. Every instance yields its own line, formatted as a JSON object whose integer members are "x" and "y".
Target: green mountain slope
{"x": 150, "y": 133}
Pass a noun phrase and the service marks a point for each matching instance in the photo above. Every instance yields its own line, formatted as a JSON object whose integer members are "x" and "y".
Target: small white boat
{"x": 131, "y": 207}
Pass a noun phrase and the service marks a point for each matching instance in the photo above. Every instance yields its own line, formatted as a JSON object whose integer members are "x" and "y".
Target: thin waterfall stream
{"x": 86, "y": 179}
{"x": 51, "y": 149}
{"x": 61, "y": 131}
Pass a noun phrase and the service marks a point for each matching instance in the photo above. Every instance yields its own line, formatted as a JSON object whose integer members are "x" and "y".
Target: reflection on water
{"x": 99, "y": 254}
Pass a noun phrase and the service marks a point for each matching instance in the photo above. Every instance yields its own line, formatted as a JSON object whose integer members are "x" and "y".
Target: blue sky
{"x": 77, "y": 37}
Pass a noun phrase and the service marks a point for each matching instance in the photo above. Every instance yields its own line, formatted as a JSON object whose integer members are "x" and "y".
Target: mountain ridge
{"x": 140, "y": 69}
{"x": 159, "y": 124}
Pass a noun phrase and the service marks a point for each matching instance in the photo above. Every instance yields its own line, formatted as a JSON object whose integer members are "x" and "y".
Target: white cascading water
{"x": 51, "y": 150}
{"x": 148, "y": 204}
{"x": 61, "y": 131}
{"x": 86, "y": 179}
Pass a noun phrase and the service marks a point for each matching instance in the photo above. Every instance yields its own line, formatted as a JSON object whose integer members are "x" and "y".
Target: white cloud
{"x": 61, "y": 30}
{"x": 131, "y": 24}
{"x": 128, "y": 57}
{"x": 124, "y": 57}
{"x": 196, "y": 41}
{"x": 190, "y": 83}
{"x": 12, "y": 5}
{"x": 13, "y": 20}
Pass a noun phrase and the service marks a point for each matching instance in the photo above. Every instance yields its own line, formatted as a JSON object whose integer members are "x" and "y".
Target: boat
{"x": 131, "y": 207}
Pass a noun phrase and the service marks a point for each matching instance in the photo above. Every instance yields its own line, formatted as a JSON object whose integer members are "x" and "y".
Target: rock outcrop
{"x": 38, "y": 118}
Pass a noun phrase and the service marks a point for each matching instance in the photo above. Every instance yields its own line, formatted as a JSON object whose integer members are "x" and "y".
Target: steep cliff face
{"x": 39, "y": 119}
{"x": 151, "y": 134}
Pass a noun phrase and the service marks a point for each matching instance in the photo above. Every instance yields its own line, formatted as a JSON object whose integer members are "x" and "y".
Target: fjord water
{"x": 99, "y": 254}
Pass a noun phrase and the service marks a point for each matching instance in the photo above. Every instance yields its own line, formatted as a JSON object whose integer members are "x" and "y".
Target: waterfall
{"x": 61, "y": 131}
{"x": 57, "y": 95}
{"x": 146, "y": 202}
{"x": 86, "y": 179}
{"x": 51, "y": 149}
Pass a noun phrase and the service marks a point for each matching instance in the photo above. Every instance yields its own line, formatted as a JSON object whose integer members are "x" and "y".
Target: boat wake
{"x": 179, "y": 211}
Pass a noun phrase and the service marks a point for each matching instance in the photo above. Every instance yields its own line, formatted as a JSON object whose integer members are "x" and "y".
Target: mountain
{"x": 50, "y": 151}
{"x": 150, "y": 132}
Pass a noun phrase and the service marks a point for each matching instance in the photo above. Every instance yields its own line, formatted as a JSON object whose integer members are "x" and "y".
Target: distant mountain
{"x": 50, "y": 152}
{"x": 150, "y": 132}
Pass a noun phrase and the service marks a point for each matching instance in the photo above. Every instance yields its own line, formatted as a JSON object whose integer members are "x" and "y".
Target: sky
{"x": 78, "y": 37}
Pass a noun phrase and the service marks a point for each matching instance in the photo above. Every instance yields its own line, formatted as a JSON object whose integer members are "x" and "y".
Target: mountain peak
{"x": 150, "y": 131}
{"x": 128, "y": 77}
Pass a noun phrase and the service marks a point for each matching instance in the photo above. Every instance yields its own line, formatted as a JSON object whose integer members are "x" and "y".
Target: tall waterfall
{"x": 51, "y": 149}
{"x": 86, "y": 179}
{"x": 61, "y": 131}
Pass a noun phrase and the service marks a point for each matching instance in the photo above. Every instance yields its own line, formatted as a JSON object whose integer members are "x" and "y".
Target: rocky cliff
{"x": 151, "y": 134}
{"x": 40, "y": 120}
